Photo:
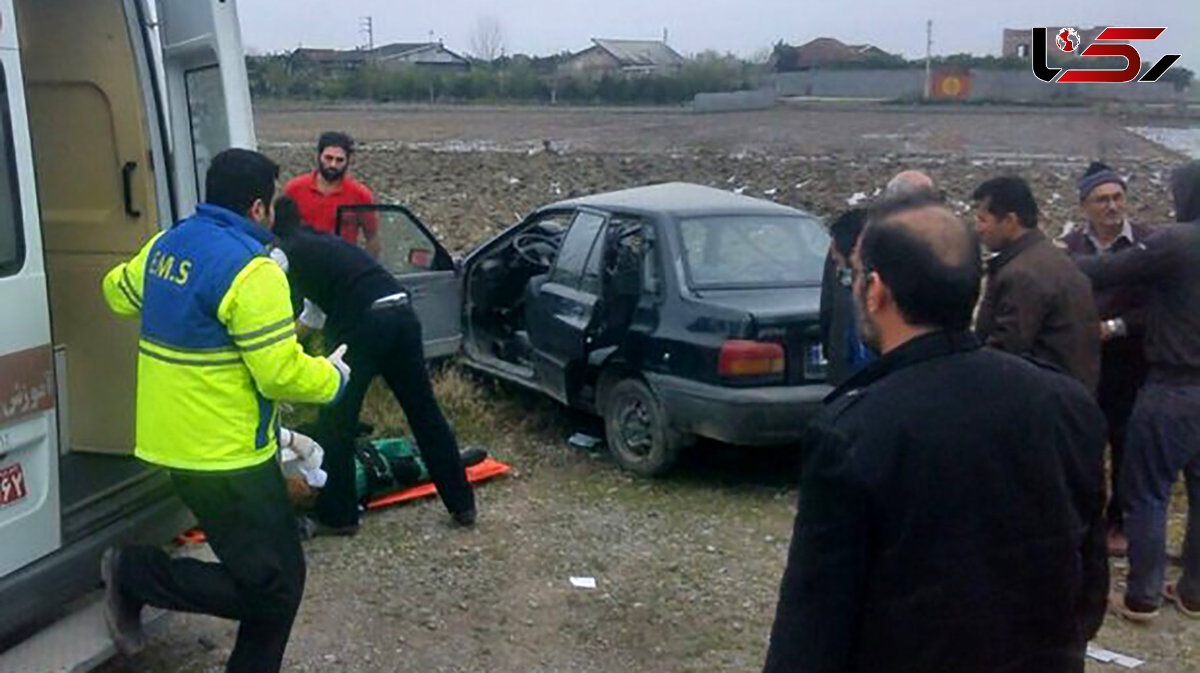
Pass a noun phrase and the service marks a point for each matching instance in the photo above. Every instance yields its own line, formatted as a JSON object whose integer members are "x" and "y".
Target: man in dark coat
{"x": 1164, "y": 430}
{"x": 844, "y": 349}
{"x": 1035, "y": 301}
{"x": 365, "y": 307}
{"x": 950, "y": 495}
{"x": 1122, "y": 311}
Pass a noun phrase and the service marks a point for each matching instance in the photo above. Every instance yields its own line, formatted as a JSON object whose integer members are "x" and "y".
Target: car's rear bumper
{"x": 763, "y": 416}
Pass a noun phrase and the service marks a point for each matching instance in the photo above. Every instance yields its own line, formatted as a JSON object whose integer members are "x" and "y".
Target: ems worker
{"x": 217, "y": 349}
{"x": 361, "y": 304}
{"x": 321, "y": 192}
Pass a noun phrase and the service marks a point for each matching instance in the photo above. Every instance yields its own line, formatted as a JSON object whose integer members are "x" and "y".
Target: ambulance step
{"x": 77, "y": 643}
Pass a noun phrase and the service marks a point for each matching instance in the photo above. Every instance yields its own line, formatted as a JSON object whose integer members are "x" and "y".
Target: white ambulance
{"x": 109, "y": 113}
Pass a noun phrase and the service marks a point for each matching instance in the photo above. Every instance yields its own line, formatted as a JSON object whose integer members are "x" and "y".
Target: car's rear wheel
{"x": 639, "y": 436}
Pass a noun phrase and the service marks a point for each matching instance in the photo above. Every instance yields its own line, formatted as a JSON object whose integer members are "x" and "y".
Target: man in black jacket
{"x": 843, "y": 347}
{"x": 366, "y": 308}
{"x": 950, "y": 495}
{"x": 1164, "y": 431}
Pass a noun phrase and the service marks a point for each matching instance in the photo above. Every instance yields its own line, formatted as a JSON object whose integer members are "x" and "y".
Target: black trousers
{"x": 1122, "y": 373}
{"x": 259, "y": 580}
{"x": 387, "y": 343}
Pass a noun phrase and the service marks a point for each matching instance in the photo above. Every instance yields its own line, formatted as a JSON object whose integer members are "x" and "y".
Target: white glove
{"x": 335, "y": 359}
{"x": 308, "y": 451}
{"x": 302, "y": 456}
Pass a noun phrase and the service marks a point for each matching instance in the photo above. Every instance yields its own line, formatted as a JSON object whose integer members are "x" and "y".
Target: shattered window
{"x": 568, "y": 268}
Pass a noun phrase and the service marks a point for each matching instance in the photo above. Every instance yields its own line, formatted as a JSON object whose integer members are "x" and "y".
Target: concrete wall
{"x": 1021, "y": 85}
{"x": 759, "y": 99}
{"x": 849, "y": 83}
{"x": 1012, "y": 85}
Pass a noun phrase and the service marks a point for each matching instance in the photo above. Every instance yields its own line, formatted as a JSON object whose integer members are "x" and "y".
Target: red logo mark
{"x": 1068, "y": 40}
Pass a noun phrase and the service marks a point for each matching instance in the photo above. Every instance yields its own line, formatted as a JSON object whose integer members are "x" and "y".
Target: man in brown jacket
{"x": 1035, "y": 301}
{"x": 1106, "y": 231}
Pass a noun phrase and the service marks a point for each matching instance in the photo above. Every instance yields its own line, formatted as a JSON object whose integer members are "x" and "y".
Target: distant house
{"x": 826, "y": 51}
{"x": 420, "y": 54}
{"x": 325, "y": 62}
{"x": 622, "y": 58}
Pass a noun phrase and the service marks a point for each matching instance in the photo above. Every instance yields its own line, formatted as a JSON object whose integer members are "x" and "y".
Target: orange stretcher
{"x": 479, "y": 472}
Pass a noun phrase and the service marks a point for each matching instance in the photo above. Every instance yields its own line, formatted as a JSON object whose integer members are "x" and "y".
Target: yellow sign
{"x": 952, "y": 86}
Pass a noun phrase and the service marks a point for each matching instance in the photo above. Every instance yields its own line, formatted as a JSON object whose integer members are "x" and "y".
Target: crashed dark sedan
{"x": 673, "y": 311}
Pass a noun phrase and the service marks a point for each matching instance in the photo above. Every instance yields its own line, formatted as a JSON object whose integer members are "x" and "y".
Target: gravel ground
{"x": 687, "y": 568}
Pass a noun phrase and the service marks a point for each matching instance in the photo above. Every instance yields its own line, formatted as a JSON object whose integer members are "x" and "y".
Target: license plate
{"x": 815, "y": 364}
{"x": 12, "y": 484}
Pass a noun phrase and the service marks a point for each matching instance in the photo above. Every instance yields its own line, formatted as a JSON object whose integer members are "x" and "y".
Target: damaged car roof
{"x": 680, "y": 198}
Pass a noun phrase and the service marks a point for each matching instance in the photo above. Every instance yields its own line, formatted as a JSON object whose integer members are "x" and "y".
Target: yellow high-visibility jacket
{"x": 218, "y": 345}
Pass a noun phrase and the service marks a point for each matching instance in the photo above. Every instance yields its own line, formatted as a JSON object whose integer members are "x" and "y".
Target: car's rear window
{"x": 753, "y": 251}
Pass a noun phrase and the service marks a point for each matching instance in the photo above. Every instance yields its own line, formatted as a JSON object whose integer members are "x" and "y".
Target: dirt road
{"x": 687, "y": 568}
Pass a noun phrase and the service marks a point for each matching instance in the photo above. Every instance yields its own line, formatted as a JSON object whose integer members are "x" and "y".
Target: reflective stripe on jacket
{"x": 218, "y": 348}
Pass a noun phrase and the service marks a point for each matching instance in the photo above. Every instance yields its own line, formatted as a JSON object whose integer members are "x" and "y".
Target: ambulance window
{"x": 12, "y": 239}
{"x": 207, "y": 117}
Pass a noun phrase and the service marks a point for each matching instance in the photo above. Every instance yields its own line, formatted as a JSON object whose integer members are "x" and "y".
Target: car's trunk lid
{"x": 790, "y": 316}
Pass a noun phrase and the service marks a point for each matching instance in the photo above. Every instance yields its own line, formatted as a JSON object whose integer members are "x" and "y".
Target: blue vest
{"x": 188, "y": 272}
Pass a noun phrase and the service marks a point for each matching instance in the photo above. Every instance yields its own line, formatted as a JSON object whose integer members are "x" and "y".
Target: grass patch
{"x": 481, "y": 410}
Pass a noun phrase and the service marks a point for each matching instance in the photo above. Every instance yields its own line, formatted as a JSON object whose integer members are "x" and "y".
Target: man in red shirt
{"x": 319, "y": 193}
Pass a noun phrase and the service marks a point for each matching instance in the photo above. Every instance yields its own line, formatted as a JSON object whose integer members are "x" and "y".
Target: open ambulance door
{"x": 207, "y": 91}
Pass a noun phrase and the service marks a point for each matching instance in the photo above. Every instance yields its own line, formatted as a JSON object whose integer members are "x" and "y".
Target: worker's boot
{"x": 122, "y": 615}
{"x": 465, "y": 518}
{"x": 316, "y": 528}
{"x": 473, "y": 455}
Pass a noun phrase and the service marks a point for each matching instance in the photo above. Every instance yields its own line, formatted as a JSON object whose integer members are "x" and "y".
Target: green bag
{"x": 386, "y": 464}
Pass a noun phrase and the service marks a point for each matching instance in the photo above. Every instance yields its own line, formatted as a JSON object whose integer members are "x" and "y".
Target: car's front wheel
{"x": 639, "y": 436}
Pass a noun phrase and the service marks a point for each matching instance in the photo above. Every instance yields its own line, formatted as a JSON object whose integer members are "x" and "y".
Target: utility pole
{"x": 928, "y": 57}
{"x": 366, "y": 26}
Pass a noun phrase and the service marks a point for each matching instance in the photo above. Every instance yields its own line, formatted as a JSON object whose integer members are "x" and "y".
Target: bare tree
{"x": 487, "y": 42}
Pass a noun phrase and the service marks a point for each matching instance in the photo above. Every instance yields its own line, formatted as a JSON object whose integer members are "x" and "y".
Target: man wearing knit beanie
{"x": 1164, "y": 430}
{"x": 1106, "y": 230}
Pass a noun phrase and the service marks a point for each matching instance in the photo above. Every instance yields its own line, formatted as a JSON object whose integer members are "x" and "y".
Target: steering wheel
{"x": 536, "y": 249}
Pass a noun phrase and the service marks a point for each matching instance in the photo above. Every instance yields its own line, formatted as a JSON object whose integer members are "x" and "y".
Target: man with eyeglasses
{"x": 844, "y": 349}
{"x": 1105, "y": 231}
{"x": 1164, "y": 428}
{"x": 949, "y": 514}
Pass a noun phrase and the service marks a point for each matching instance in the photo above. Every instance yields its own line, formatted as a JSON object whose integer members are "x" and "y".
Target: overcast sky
{"x": 741, "y": 26}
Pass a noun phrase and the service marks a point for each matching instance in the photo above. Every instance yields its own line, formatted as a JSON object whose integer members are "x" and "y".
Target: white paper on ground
{"x": 1109, "y": 657}
{"x": 583, "y": 440}
{"x": 583, "y": 582}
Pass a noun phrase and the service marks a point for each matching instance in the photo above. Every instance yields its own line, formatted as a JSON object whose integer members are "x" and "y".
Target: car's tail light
{"x": 750, "y": 359}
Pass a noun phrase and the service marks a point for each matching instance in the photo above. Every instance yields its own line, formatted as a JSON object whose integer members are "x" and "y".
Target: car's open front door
{"x": 424, "y": 268}
{"x": 560, "y": 312}
{"x": 208, "y": 94}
